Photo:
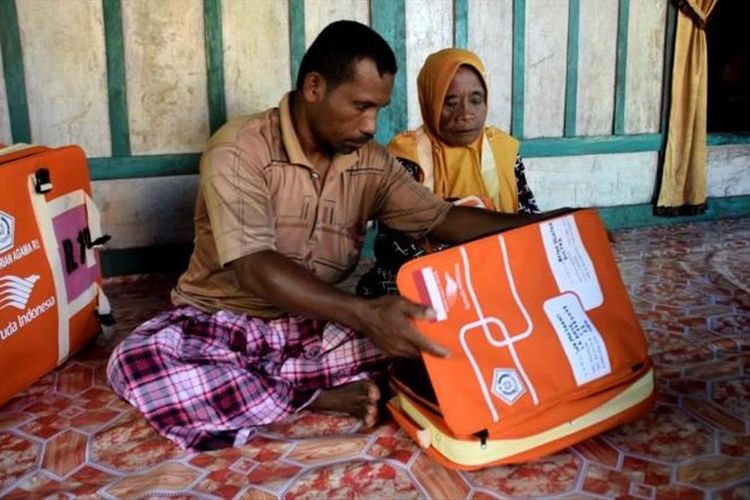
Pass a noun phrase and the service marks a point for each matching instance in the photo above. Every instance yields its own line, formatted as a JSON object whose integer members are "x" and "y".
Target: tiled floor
{"x": 68, "y": 435}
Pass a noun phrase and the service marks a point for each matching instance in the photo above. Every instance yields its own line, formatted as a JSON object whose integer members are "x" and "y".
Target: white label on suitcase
{"x": 570, "y": 263}
{"x": 582, "y": 342}
{"x": 433, "y": 291}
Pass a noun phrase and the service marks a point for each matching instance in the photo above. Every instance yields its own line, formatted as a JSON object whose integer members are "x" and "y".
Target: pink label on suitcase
{"x": 79, "y": 263}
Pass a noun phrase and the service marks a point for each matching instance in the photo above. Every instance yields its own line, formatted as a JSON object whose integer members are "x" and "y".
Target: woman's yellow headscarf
{"x": 457, "y": 169}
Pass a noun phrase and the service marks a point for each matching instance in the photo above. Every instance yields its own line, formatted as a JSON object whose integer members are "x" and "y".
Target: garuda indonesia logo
{"x": 6, "y": 231}
{"x": 16, "y": 291}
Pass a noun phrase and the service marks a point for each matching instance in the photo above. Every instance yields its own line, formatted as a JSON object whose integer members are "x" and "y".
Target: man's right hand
{"x": 388, "y": 322}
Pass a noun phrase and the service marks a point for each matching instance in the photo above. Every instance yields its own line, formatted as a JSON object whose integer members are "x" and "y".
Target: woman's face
{"x": 464, "y": 108}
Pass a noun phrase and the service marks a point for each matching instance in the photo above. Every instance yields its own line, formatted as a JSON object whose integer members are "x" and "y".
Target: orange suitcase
{"x": 51, "y": 300}
{"x": 547, "y": 349}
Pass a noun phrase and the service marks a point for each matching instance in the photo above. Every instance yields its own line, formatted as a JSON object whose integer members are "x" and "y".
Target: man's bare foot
{"x": 358, "y": 399}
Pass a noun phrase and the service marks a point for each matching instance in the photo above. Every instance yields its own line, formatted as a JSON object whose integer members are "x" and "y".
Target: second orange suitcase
{"x": 51, "y": 299}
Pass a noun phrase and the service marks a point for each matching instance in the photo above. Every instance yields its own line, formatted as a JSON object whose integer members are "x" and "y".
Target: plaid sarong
{"x": 207, "y": 380}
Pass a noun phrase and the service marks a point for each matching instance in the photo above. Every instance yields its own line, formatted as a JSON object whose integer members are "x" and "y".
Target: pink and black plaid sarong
{"x": 207, "y": 380}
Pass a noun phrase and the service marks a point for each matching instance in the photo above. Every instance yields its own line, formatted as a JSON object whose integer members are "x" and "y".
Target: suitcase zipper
{"x": 483, "y": 435}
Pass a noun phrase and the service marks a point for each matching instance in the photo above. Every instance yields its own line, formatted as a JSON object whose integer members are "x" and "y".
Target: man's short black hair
{"x": 339, "y": 47}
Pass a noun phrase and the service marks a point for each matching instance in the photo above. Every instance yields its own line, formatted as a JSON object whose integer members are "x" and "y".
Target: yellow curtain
{"x": 683, "y": 182}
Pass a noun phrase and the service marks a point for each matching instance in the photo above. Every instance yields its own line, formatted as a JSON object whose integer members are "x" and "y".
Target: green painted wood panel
{"x": 388, "y": 18}
{"x": 217, "y": 107}
{"x": 143, "y": 166}
{"x": 461, "y": 23}
{"x": 571, "y": 77}
{"x": 621, "y": 67}
{"x": 519, "y": 67}
{"x": 296, "y": 36}
{"x": 116, "y": 82}
{"x": 564, "y": 146}
{"x": 15, "y": 80}
{"x": 633, "y": 216}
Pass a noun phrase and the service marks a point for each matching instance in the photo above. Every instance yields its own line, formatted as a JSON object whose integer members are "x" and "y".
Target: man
{"x": 259, "y": 330}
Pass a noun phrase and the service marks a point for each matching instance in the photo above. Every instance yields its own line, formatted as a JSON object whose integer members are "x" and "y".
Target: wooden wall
{"x": 141, "y": 84}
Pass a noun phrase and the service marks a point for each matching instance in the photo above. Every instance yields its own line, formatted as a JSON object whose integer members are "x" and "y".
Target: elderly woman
{"x": 454, "y": 154}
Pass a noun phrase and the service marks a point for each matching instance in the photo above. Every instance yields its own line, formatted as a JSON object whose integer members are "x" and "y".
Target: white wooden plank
{"x": 597, "y": 51}
{"x": 321, "y": 13}
{"x": 645, "y": 66}
{"x": 5, "y": 136}
{"x": 165, "y": 64}
{"x": 727, "y": 170}
{"x": 65, "y": 71}
{"x": 491, "y": 38}
{"x": 429, "y": 28}
{"x": 592, "y": 180}
{"x": 148, "y": 211}
{"x": 545, "y": 61}
{"x": 256, "y": 58}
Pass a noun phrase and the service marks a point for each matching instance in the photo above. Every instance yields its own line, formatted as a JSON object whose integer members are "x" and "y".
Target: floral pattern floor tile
{"x": 69, "y": 436}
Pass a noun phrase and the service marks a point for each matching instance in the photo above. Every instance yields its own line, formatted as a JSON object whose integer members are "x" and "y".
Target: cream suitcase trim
{"x": 472, "y": 453}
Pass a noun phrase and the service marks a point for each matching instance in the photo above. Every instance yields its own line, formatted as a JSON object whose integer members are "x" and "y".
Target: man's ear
{"x": 314, "y": 87}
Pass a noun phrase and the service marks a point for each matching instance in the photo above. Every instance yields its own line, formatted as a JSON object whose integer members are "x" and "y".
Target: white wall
{"x": 65, "y": 72}
{"x": 429, "y": 28}
{"x": 596, "y": 67}
{"x": 728, "y": 171}
{"x": 320, "y": 13}
{"x": 251, "y": 53}
{"x": 165, "y": 65}
{"x": 5, "y": 137}
{"x": 493, "y": 43}
{"x": 592, "y": 180}
{"x": 130, "y": 209}
{"x": 645, "y": 66}
{"x": 546, "y": 52}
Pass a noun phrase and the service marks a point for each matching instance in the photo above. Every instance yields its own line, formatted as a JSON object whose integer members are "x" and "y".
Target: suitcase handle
{"x": 42, "y": 181}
